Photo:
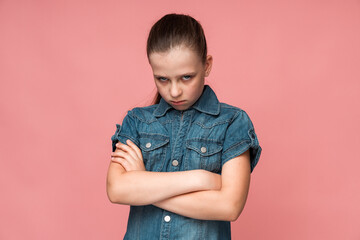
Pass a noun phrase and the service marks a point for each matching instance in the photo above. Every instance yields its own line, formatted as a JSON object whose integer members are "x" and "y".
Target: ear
{"x": 208, "y": 65}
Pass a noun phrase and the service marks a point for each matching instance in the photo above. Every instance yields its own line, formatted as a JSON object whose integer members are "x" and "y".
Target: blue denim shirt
{"x": 205, "y": 136}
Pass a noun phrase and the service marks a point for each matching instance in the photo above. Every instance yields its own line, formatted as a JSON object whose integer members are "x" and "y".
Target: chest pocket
{"x": 153, "y": 147}
{"x": 203, "y": 154}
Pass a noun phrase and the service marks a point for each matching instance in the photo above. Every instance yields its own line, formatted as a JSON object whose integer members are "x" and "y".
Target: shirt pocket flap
{"x": 204, "y": 147}
{"x": 152, "y": 141}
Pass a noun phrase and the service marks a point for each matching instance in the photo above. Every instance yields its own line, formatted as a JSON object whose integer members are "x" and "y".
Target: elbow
{"x": 235, "y": 211}
{"x": 114, "y": 194}
{"x": 112, "y": 198}
{"x": 110, "y": 194}
{"x": 233, "y": 216}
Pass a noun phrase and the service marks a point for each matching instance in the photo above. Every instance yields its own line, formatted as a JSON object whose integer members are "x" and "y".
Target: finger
{"x": 127, "y": 149}
{"x": 135, "y": 148}
{"x": 126, "y": 155}
{"x": 119, "y": 153}
{"x": 121, "y": 161}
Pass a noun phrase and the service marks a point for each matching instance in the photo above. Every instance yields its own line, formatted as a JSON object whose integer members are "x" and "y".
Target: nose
{"x": 175, "y": 90}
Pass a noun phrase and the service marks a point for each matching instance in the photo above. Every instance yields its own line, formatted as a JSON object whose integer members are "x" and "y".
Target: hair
{"x": 174, "y": 30}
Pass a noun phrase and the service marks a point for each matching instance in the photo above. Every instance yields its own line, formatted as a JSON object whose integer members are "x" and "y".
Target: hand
{"x": 129, "y": 156}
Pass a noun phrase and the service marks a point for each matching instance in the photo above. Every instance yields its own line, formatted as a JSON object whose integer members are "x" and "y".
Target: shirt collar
{"x": 207, "y": 103}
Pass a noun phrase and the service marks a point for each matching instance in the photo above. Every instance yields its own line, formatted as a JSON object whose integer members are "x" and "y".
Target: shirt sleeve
{"x": 125, "y": 131}
{"x": 239, "y": 137}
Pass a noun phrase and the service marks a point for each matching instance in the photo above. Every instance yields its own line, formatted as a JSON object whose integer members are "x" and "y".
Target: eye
{"x": 162, "y": 79}
{"x": 187, "y": 77}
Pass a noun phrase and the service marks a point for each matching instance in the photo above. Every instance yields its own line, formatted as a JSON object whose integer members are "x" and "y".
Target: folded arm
{"x": 129, "y": 183}
{"x": 143, "y": 187}
{"x": 197, "y": 194}
{"x": 225, "y": 204}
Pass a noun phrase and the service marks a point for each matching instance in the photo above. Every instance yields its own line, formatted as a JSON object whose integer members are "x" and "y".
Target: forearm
{"x": 143, "y": 187}
{"x": 205, "y": 205}
{"x": 225, "y": 204}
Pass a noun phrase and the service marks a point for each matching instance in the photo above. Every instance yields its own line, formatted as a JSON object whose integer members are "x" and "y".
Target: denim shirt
{"x": 205, "y": 136}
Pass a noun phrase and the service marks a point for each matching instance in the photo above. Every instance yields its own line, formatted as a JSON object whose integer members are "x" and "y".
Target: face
{"x": 179, "y": 75}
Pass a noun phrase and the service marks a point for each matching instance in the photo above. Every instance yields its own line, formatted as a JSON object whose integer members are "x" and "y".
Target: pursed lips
{"x": 178, "y": 102}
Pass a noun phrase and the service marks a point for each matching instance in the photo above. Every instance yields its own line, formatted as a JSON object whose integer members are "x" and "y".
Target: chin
{"x": 181, "y": 108}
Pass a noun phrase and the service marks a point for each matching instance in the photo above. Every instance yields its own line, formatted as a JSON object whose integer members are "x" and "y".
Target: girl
{"x": 183, "y": 163}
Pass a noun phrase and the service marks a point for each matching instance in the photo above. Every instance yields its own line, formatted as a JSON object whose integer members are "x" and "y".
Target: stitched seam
{"x": 236, "y": 145}
{"x": 142, "y": 120}
{"x": 131, "y": 138}
{"x": 207, "y": 127}
{"x": 205, "y": 140}
{"x": 144, "y": 134}
{"x": 235, "y": 154}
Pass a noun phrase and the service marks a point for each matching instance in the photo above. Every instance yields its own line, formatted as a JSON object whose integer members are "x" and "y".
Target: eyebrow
{"x": 185, "y": 74}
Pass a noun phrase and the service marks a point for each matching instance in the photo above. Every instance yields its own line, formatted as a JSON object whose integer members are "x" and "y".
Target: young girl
{"x": 184, "y": 163}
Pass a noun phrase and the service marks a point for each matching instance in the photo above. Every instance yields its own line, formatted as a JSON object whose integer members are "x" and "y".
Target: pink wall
{"x": 69, "y": 70}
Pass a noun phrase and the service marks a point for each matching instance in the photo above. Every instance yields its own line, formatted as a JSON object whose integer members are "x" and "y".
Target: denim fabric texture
{"x": 205, "y": 136}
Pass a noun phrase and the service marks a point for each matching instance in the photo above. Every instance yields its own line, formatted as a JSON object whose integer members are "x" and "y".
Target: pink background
{"x": 70, "y": 70}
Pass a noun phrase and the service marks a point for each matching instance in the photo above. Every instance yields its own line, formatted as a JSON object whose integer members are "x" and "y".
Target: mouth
{"x": 177, "y": 102}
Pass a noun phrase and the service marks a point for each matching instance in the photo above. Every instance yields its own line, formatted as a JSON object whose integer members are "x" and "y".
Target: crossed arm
{"x": 197, "y": 194}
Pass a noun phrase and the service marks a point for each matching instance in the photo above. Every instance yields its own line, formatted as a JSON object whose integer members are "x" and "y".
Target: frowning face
{"x": 179, "y": 75}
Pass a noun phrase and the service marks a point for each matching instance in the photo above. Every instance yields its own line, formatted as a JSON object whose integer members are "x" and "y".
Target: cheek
{"x": 157, "y": 84}
{"x": 199, "y": 87}
{"x": 196, "y": 92}
{"x": 160, "y": 89}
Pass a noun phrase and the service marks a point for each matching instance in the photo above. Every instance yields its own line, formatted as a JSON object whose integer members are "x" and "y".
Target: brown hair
{"x": 174, "y": 30}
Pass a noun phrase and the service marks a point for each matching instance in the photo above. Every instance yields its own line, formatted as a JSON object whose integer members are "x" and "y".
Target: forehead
{"x": 175, "y": 61}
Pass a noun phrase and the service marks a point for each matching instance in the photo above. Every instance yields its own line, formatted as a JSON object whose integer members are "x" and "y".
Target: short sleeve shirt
{"x": 205, "y": 136}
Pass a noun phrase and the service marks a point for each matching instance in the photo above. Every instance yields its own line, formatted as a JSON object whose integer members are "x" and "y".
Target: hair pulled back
{"x": 174, "y": 30}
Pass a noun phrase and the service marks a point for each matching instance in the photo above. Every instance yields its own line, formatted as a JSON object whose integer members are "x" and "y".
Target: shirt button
{"x": 175, "y": 163}
{"x": 148, "y": 145}
{"x": 203, "y": 149}
{"x": 167, "y": 218}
